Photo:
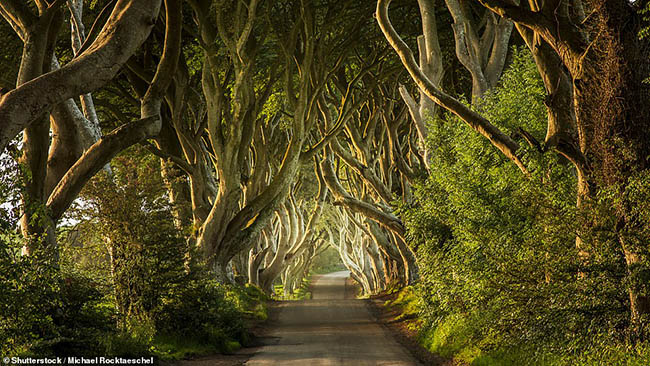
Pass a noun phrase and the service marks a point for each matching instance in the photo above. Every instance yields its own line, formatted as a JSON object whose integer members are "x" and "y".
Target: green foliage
{"x": 409, "y": 303}
{"x": 250, "y": 300}
{"x": 645, "y": 12}
{"x": 164, "y": 301}
{"x": 201, "y": 310}
{"x": 301, "y": 293}
{"x": 455, "y": 336}
{"x": 45, "y": 310}
{"x": 28, "y": 301}
{"x": 614, "y": 223}
{"x": 208, "y": 318}
{"x": 326, "y": 262}
{"x": 34, "y": 293}
{"x": 121, "y": 283}
{"x": 497, "y": 249}
{"x": 144, "y": 263}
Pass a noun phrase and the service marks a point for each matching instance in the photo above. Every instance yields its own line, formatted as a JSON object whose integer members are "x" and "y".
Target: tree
{"x": 230, "y": 148}
{"x": 54, "y": 181}
{"x": 602, "y": 58}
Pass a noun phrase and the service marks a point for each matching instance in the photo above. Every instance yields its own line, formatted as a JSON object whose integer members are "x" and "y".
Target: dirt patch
{"x": 388, "y": 318}
{"x": 260, "y": 333}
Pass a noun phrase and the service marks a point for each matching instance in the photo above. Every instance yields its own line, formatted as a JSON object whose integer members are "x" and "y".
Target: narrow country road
{"x": 329, "y": 330}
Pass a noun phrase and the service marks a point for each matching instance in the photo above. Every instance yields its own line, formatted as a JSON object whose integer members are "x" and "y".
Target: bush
{"x": 48, "y": 311}
{"x": 496, "y": 248}
{"x": 120, "y": 283}
{"x": 200, "y": 309}
{"x": 29, "y": 301}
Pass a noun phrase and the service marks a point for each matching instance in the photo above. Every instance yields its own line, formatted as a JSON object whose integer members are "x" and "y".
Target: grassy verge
{"x": 249, "y": 301}
{"x": 462, "y": 337}
{"x": 301, "y": 293}
{"x": 171, "y": 347}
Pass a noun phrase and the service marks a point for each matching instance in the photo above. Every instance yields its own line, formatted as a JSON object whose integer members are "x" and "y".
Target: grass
{"x": 171, "y": 347}
{"x": 249, "y": 300}
{"x": 452, "y": 337}
{"x": 462, "y": 337}
{"x": 301, "y": 293}
{"x": 598, "y": 353}
{"x": 408, "y": 303}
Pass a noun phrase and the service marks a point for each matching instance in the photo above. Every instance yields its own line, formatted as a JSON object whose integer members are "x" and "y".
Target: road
{"x": 329, "y": 330}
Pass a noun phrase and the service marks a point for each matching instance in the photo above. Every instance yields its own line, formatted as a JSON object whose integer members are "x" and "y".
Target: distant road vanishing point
{"x": 330, "y": 330}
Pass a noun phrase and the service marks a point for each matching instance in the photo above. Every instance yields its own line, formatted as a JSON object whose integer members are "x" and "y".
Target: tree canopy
{"x": 177, "y": 161}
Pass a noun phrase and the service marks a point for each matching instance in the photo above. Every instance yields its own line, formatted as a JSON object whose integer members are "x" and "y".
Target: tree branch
{"x": 124, "y": 32}
{"x": 343, "y": 198}
{"x": 187, "y": 168}
{"x": 17, "y": 13}
{"x": 152, "y": 100}
{"x": 500, "y": 140}
{"x": 93, "y": 160}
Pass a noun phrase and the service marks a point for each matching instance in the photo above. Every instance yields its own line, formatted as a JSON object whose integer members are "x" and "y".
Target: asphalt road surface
{"x": 329, "y": 330}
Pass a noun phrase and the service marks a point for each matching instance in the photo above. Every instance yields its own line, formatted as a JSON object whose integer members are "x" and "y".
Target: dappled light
{"x": 304, "y": 182}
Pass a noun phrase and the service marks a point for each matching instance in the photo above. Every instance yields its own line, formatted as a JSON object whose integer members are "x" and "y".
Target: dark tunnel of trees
{"x": 167, "y": 166}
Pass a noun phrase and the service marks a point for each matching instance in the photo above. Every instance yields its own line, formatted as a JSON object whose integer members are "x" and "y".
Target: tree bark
{"x": 500, "y": 140}
{"x": 609, "y": 104}
{"x": 127, "y": 27}
{"x": 484, "y": 55}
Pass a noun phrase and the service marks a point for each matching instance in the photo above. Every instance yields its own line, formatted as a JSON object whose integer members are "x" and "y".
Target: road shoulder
{"x": 389, "y": 318}
{"x": 260, "y": 337}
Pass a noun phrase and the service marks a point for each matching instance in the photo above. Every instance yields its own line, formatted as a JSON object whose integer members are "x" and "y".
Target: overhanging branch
{"x": 500, "y": 140}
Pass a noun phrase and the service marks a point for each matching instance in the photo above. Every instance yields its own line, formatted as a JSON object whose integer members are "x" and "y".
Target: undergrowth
{"x": 462, "y": 337}
{"x": 303, "y": 292}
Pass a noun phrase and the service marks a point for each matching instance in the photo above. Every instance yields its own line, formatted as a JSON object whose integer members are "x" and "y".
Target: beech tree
{"x": 287, "y": 244}
{"x": 129, "y": 24}
{"x": 360, "y": 253}
{"x": 370, "y": 195}
{"x": 500, "y": 175}
{"x": 43, "y": 99}
{"x": 598, "y": 63}
{"x": 230, "y": 138}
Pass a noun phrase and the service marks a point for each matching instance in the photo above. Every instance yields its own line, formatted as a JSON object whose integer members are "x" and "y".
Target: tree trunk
{"x": 613, "y": 99}
{"x": 127, "y": 27}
